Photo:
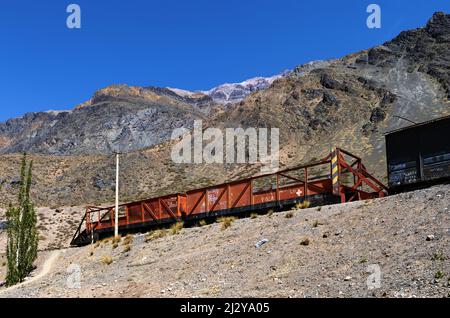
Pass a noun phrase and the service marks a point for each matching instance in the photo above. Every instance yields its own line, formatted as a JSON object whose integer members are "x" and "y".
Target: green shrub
{"x": 439, "y": 275}
{"x": 438, "y": 256}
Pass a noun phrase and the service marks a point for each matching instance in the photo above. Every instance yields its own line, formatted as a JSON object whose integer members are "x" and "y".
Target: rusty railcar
{"x": 418, "y": 155}
{"x": 339, "y": 177}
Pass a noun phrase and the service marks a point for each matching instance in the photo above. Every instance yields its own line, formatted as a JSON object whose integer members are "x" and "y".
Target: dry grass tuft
{"x": 128, "y": 239}
{"x": 156, "y": 234}
{"x": 106, "y": 259}
{"x": 226, "y": 221}
{"x": 176, "y": 228}
{"x": 126, "y": 248}
{"x": 302, "y": 205}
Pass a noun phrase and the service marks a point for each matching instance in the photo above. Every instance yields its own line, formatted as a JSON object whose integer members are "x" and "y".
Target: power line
{"x": 405, "y": 119}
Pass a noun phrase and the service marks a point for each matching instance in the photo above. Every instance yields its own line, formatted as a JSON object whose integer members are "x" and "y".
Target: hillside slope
{"x": 406, "y": 235}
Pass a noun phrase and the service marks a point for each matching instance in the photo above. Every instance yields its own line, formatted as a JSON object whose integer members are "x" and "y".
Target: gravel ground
{"x": 332, "y": 251}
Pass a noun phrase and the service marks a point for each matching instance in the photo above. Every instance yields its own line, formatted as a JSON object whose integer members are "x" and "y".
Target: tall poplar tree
{"x": 21, "y": 227}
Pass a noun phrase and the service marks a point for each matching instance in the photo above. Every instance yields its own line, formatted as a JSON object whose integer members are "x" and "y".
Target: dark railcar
{"x": 418, "y": 155}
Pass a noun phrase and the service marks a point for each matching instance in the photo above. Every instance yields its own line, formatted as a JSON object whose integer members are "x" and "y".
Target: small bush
{"x": 105, "y": 240}
{"x": 116, "y": 239}
{"x": 176, "y": 228}
{"x": 363, "y": 260}
{"x": 106, "y": 259}
{"x": 115, "y": 245}
{"x": 202, "y": 222}
{"x": 126, "y": 248}
{"x": 226, "y": 222}
{"x": 155, "y": 235}
{"x": 253, "y": 215}
{"x": 270, "y": 212}
{"x": 319, "y": 208}
{"x": 289, "y": 215}
{"x": 438, "y": 256}
{"x": 439, "y": 275}
{"x": 304, "y": 242}
{"x": 128, "y": 239}
{"x": 91, "y": 253}
{"x": 302, "y": 205}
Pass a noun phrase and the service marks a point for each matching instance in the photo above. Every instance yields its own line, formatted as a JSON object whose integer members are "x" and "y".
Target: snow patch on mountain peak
{"x": 233, "y": 92}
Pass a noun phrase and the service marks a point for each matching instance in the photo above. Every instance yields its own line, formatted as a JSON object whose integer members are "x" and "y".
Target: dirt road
{"x": 45, "y": 268}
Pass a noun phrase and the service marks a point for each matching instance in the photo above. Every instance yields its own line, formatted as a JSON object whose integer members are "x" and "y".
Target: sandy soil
{"x": 405, "y": 237}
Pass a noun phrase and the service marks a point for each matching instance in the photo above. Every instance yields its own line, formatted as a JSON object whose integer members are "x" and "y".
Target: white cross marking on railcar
{"x": 298, "y": 193}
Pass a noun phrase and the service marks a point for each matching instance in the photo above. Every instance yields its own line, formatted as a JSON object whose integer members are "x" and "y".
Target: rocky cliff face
{"x": 117, "y": 118}
{"x": 348, "y": 102}
{"x": 425, "y": 50}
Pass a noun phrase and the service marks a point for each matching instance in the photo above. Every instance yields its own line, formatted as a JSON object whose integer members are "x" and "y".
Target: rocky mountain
{"x": 116, "y": 118}
{"x": 348, "y": 102}
{"x": 120, "y": 118}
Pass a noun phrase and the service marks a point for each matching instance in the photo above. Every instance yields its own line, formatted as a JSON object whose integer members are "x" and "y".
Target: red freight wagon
{"x": 340, "y": 177}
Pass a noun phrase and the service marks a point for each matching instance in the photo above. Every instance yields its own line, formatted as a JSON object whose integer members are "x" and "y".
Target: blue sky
{"x": 195, "y": 44}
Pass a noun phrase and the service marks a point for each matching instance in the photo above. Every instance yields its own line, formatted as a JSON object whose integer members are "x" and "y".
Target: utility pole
{"x": 116, "y": 210}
